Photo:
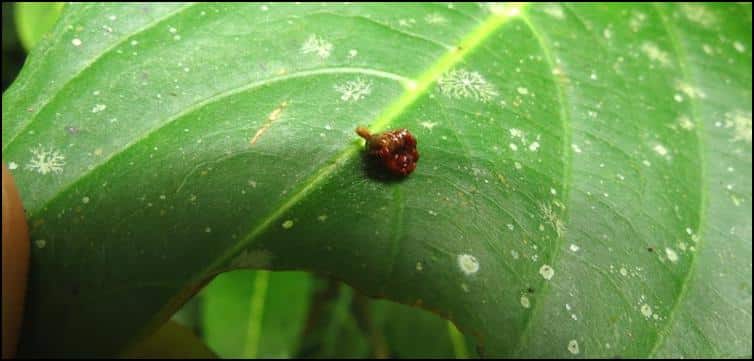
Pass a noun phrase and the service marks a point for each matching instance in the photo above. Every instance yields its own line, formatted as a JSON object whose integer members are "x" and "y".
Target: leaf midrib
{"x": 255, "y": 318}
{"x": 32, "y": 210}
{"x": 414, "y": 92}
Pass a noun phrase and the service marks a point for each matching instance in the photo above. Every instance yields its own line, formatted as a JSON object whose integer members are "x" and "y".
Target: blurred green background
{"x": 13, "y": 53}
{"x": 249, "y": 313}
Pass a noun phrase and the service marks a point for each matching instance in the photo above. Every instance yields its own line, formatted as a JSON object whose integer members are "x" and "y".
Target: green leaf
{"x": 583, "y": 189}
{"x": 34, "y": 20}
{"x": 414, "y": 333}
{"x": 13, "y": 54}
{"x": 333, "y": 329}
{"x": 344, "y": 323}
{"x": 251, "y": 314}
{"x": 172, "y": 340}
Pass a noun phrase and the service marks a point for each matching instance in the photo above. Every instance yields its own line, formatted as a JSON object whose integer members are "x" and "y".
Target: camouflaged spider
{"x": 395, "y": 149}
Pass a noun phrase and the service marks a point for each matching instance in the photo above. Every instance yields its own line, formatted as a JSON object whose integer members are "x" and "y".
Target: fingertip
{"x": 15, "y": 263}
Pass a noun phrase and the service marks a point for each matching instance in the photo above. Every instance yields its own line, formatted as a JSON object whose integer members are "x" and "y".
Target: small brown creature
{"x": 395, "y": 149}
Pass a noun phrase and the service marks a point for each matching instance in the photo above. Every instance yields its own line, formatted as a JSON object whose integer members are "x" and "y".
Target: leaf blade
{"x": 235, "y": 157}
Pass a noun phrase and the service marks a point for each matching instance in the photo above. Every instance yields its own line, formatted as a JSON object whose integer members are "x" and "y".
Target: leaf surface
{"x": 584, "y": 186}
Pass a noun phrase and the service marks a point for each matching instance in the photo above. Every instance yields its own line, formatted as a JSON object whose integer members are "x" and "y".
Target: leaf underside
{"x": 584, "y": 185}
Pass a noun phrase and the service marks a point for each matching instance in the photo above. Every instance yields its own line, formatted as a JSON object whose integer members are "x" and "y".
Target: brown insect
{"x": 395, "y": 149}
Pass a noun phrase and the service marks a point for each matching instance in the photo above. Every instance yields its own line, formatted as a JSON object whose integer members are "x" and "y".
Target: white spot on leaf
{"x": 660, "y": 149}
{"x": 646, "y": 310}
{"x": 573, "y": 347}
{"x": 468, "y": 264}
{"x": 654, "y": 53}
{"x": 741, "y": 124}
{"x": 699, "y": 14}
{"x": 636, "y": 21}
{"x": 547, "y": 272}
{"x": 98, "y": 108}
{"x": 672, "y": 256}
{"x": 428, "y": 125}
{"x": 435, "y": 18}
{"x": 44, "y": 161}
{"x": 552, "y": 218}
{"x": 555, "y": 11}
{"x": 354, "y": 90}
{"x": 739, "y": 46}
{"x": 685, "y": 123}
{"x": 690, "y": 91}
{"x": 408, "y": 23}
{"x": 316, "y": 45}
{"x": 509, "y": 9}
{"x": 464, "y": 84}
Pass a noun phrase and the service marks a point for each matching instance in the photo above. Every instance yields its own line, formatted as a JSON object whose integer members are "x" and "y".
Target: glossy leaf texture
{"x": 584, "y": 186}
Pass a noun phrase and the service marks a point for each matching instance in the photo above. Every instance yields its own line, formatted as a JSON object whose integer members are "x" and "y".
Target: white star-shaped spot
{"x": 428, "y": 125}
